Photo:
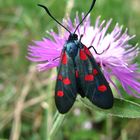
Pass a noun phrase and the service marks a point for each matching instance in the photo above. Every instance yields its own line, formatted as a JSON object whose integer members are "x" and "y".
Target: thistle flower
{"x": 115, "y": 61}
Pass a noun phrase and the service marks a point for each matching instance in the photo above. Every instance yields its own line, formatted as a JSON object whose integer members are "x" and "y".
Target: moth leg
{"x": 80, "y": 38}
{"x": 95, "y": 50}
{"x": 56, "y": 58}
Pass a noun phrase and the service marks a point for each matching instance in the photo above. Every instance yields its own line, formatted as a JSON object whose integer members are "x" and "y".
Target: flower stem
{"x": 56, "y": 125}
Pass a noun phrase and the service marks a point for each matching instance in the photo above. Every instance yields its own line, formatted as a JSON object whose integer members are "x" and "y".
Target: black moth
{"x": 78, "y": 72}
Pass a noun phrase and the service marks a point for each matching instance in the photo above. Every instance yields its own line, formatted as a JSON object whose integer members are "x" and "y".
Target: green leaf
{"x": 121, "y": 108}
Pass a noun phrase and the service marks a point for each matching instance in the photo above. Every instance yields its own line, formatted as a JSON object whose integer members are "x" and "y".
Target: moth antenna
{"x": 48, "y": 12}
{"x": 92, "y": 5}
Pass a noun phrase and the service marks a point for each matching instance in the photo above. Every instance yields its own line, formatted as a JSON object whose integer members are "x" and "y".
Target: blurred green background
{"x": 26, "y": 96}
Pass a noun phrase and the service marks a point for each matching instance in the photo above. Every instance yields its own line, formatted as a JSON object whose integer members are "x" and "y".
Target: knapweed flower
{"x": 115, "y": 61}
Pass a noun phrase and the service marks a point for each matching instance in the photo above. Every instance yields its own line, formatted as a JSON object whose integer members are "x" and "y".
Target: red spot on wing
{"x": 64, "y": 58}
{"x": 89, "y": 77}
{"x": 87, "y": 51}
{"x": 83, "y": 56}
{"x": 60, "y": 93}
{"x": 60, "y": 77}
{"x": 102, "y": 88}
{"x": 76, "y": 74}
{"x": 66, "y": 81}
{"x": 95, "y": 72}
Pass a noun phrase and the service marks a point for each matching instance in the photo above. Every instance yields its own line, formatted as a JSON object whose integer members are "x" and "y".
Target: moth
{"x": 79, "y": 73}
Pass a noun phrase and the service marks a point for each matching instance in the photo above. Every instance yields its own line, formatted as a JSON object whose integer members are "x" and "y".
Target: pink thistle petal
{"x": 116, "y": 59}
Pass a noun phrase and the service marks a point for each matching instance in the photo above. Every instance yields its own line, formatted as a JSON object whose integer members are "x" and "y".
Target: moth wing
{"x": 91, "y": 81}
{"x": 65, "y": 91}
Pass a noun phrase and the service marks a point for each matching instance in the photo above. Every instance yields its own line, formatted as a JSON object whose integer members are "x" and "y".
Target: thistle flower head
{"x": 115, "y": 61}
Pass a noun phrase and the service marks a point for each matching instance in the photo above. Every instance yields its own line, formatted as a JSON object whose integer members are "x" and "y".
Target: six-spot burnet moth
{"x": 78, "y": 72}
